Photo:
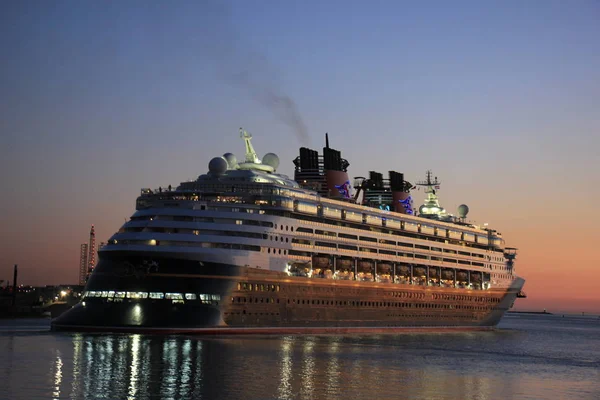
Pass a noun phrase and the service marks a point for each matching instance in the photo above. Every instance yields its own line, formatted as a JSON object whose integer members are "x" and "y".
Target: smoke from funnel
{"x": 241, "y": 66}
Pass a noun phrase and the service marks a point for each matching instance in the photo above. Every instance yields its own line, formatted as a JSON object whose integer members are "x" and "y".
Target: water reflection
{"x": 285, "y": 386}
{"x": 466, "y": 366}
{"x": 308, "y": 368}
{"x": 332, "y": 371}
{"x": 137, "y": 366}
{"x": 57, "y": 376}
{"x": 77, "y": 357}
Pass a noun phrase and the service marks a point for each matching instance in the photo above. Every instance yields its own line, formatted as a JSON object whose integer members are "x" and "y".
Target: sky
{"x": 501, "y": 100}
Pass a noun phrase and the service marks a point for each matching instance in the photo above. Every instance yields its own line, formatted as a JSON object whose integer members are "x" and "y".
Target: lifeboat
{"x": 384, "y": 272}
{"x": 420, "y": 272}
{"x": 448, "y": 274}
{"x": 366, "y": 266}
{"x": 320, "y": 261}
{"x": 384, "y": 268}
{"x": 344, "y": 263}
{"x": 300, "y": 269}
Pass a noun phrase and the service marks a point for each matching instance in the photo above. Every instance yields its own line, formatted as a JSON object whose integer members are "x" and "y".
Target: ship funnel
{"x": 400, "y": 197}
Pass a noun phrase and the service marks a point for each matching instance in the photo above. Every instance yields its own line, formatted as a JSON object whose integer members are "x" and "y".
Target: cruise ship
{"x": 245, "y": 249}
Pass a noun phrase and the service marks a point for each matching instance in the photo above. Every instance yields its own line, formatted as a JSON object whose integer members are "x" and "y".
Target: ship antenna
{"x": 431, "y": 204}
{"x": 326, "y": 140}
{"x": 430, "y": 183}
{"x": 251, "y": 156}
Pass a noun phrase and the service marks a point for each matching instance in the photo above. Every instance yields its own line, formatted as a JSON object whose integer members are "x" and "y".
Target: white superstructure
{"x": 248, "y": 215}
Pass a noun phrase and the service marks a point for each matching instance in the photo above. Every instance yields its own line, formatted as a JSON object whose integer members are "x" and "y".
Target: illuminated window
{"x": 137, "y": 295}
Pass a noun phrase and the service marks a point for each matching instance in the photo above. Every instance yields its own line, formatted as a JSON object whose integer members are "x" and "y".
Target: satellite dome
{"x": 231, "y": 160}
{"x": 217, "y": 166}
{"x": 463, "y": 210}
{"x": 271, "y": 159}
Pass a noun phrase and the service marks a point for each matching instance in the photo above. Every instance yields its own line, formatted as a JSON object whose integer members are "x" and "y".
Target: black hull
{"x": 143, "y": 313}
{"x": 123, "y": 273}
{"x": 232, "y": 299}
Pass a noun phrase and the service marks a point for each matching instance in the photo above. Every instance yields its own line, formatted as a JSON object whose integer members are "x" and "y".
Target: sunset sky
{"x": 501, "y": 100}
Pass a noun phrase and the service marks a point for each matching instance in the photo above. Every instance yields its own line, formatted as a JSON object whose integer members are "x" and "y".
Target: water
{"x": 529, "y": 357}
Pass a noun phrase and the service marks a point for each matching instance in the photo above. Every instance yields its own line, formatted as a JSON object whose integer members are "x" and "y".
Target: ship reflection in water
{"x": 292, "y": 367}
{"x": 533, "y": 359}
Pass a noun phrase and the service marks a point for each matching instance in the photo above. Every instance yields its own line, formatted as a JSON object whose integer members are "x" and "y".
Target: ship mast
{"x": 251, "y": 155}
{"x": 431, "y": 206}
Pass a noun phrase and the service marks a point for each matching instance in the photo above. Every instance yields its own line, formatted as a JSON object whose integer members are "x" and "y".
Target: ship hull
{"x": 220, "y": 298}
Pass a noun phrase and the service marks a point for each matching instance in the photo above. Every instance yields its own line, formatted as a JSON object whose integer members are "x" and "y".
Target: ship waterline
{"x": 243, "y": 249}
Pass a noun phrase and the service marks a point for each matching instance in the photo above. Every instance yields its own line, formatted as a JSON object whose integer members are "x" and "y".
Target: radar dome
{"x": 231, "y": 160}
{"x": 217, "y": 166}
{"x": 271, "y": 159}
{"x": 463, "y": 210}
